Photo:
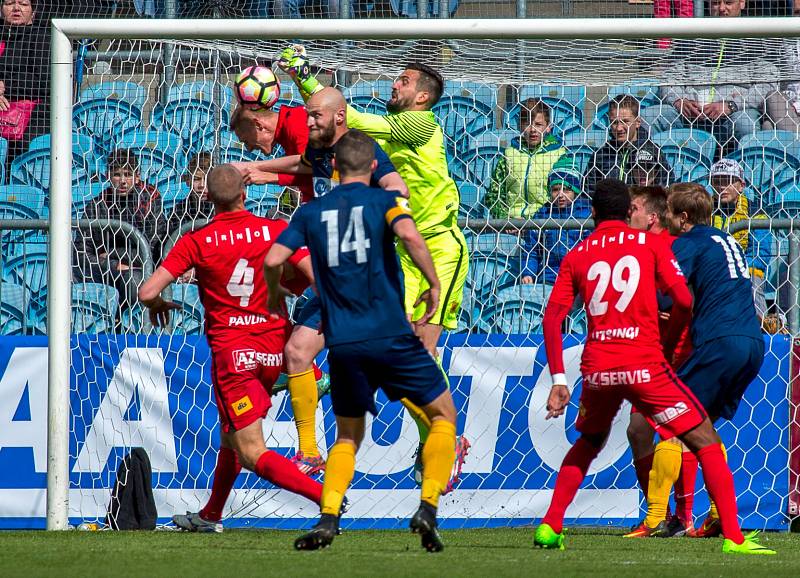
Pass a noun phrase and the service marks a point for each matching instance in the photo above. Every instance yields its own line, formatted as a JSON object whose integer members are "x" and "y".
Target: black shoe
{"x": 675, "y": 528}
{"x": 424, "y": 524}
{"x": 320, "y": 536}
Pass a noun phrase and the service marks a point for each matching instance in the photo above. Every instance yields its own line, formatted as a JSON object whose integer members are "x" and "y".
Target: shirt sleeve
{"x": 414, "y": 128}
{"x": 668, "y": 271}
{"x": 683, "y": 250}
{"x": 564, "y": 289}
{"x": 385, "y": 166}
{"x": 182, "y": 257}
{"x": 294, "y": 236}
{"x": 396, "y": 208}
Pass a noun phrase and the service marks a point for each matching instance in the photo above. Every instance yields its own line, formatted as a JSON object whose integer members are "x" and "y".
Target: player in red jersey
{"x": 246, "y": 344}
{"x": 616, "y": 271}
{"x": 649, "y": 213}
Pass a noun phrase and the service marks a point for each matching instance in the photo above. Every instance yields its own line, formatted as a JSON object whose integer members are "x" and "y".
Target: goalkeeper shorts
{"x": 451, "y": 260}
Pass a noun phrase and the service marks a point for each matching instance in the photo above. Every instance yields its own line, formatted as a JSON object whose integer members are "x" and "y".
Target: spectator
{"x": 305, "y": 8}
{"x": 629, "y": 154}
{"x": 732, "y": 206}
{"x": 195, "y": 207}
{"x": 519, "y": 178}
{"x": 24, "y": 67}
{"x": 716, "y": 95}
{"x": 131, "y": 201}
{"x": 543, "y": 249}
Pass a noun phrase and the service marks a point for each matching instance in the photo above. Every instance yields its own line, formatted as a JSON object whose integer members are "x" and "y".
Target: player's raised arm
{"x": 150, "y": 297}
{"x": 561, "y": 298}
{"x": 407, "y": 232}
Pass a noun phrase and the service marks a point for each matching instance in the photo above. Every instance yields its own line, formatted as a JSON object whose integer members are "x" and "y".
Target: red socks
{"x": 719, "y": 482}
{"x": 279, "y": 471}
{"x": 684, "y": 488}
{"x": 643, "y": 467}
{"x": 228, "y": 467}
{"x": 573, "y": 470}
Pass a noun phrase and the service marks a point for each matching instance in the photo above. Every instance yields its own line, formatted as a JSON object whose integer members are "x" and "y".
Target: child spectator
{"x": 130, "y": 200}
{"x": 543, "y": 249}
{"x": 195, "y": 207}
{"x": 519, "y": 179}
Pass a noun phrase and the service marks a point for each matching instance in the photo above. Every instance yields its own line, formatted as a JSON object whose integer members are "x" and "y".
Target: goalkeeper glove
{"x": 293, "y": 60}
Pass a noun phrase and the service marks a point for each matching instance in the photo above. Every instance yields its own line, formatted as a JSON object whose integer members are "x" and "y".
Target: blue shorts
{"x": 400, "y": 366}
{"x": 310, "y": 313}
{"x": 719, "y": 371}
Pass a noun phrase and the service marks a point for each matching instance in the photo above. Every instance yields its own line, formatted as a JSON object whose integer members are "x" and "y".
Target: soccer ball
{"x": 257, "y": 87}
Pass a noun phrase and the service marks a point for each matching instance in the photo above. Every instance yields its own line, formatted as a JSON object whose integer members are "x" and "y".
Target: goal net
{"x": 522, "y": 117}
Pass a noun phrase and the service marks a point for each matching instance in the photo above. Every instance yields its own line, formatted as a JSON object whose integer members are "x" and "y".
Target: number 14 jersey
{"x": 228, "y": 258}
{"x": 616, "y": 271}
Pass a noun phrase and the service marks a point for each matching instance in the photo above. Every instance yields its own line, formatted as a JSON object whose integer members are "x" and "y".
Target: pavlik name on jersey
{"x": 617, "y": 377}
{"x": 244, "y": 320}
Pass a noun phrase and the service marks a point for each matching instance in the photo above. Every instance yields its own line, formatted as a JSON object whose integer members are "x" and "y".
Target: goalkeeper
{"x": 414, "y": 141}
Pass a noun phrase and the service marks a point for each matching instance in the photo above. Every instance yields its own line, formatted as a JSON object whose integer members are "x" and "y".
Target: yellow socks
{"x": 666, "y": 469}
{"x": 338, "y": 475}
{"x": 437, "y": 459}
{"x": 712, "y": 513}
{"x": 303, "y": 391}
{"x": 422, "y": 421}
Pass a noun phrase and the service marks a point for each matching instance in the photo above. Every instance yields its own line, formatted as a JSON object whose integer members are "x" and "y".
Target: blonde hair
{"x": 692, "y": 199}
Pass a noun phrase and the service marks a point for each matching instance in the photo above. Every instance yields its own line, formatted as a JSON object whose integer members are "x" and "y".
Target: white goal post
{"x": 65, "y": 31}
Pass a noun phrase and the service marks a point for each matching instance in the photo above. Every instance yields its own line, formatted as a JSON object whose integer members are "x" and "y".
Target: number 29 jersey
{"x": 616, "y": 271}
{"x": 228, "y": 258}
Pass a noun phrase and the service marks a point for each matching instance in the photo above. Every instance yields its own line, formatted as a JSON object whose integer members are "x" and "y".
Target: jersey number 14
{"x": 354, "y": 239}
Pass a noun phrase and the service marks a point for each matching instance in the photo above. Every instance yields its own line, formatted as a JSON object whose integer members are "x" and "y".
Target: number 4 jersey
{"x": 616, "y": 271}
{"x": 228, "y": 257}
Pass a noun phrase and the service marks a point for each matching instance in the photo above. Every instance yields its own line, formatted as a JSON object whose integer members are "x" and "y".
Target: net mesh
{"x": 169, "y": 104}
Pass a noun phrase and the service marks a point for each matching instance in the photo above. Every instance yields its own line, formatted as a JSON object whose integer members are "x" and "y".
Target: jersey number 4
{"x": 625, "y": 285}
{"x": 241, "y": 282}
{"x": 354, "y": 239}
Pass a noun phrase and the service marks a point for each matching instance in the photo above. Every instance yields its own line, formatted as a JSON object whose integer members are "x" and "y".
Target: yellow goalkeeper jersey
{"x": 414, "y": 142}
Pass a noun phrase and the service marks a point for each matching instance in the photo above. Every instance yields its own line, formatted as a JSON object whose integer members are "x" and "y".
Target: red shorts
{"x": 243, "y": 375}
{"x": 653, "y": 389}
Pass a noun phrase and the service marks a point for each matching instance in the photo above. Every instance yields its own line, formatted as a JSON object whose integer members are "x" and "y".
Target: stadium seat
{"x": 204, "y": 91}
{"x": 82, "y": 144}
{"x": 130, "y": 92}
{"x": 32, "y": 168}
{"x": 31, "y": 197}
{"x": 689, "y": 153}
{"x": 786, "y": 204}
{"x": 771, "y": 161}
{"x": 189, "y": 319}
{"x": 516, "y": 310}
{"x": 94, "y": 308}
{"x": 369, "y": 95}
{"x": 470, "y": 205}
{"x": 566, "y": 105}
{"x": 172, "y": 191}
{"x": 101, "y": 119}
{"x": 13, "y": 306}
{"x": 493, "y": 244}
{"x": 582, "y": 145}
{"x": 134, "y": 320}
{"x": 29, "y": 270}
{"x": 190, "y": 119}
{"x": 465, "y": 109}
{"x": 474, "y": 165}
{"x": 156, "y": 165}
{"x": 137, "y": 140}
{"x": 645, "y": 92}
{"x": 12, "y": 210}
{"x": 262, "y": 198}
{"x": 84, "y": 194}
{"x": 487, "y": 274}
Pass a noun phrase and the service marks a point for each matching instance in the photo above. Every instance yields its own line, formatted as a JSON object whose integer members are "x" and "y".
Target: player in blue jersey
{"x": 728, "y": 348}
{"x": 350, "y": 233}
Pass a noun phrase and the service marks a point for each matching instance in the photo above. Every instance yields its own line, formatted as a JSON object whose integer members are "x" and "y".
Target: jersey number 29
{"x": 354, "y": 238}
{"x": 603, "y": 272}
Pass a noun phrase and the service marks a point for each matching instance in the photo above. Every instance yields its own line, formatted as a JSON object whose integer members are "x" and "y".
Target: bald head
{"x": 327, "y": 117}
{"x": 225, "y": 188}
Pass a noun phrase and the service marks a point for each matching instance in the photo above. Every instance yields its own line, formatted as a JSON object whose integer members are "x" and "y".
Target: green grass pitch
{"x": 486, "y": 553}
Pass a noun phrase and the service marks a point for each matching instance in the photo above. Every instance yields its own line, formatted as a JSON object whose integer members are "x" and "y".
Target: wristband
{"x": 559, "y": 379}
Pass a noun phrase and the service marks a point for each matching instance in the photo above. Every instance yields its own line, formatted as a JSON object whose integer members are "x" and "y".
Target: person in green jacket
{"x": 519, "y": 179}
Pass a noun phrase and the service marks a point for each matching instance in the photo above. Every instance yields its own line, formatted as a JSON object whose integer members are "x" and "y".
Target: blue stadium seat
{"x": 82, "y": 144}
{"x": 205, "y": 91}
{"x": 261, "y": 198}
{"x": 369, "y": 95}
{"x": 487, "y": 274}
{"x": 190, "y": 118}
{"x": 470, "y": 205}
{"x": 134, "y": 320}
{"x": 582, "y": 145}
{"x": 787, "y": 203}
{"x": 771, "y": 161}
{"x": 101, "y": 119}
{"x": 130, "y": 92}
{"x": 12, "y": 210}
{"x": 689, "y": 153}
{"x": 137, "y": 140}
{"x": 13, "y": 306}
{"x": 156, "y": 165}
{"x": 645, "y": 92}
{"x": 31, "y": 197}
{"x": 29, "y": 270}
{"x": 566, "y": 104}
{"x": 32, "y": 168}
{"x": 492, "y": 243}
{"x": 474, "y": 165}
{"x": 465, "y": 109}
{"x": 172, "y": 191}
{"x": 189, "y": 319}
{"x": 94, "y": 308}
{"x": 84, "y": 194}
{"x": 518, "y": 309}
